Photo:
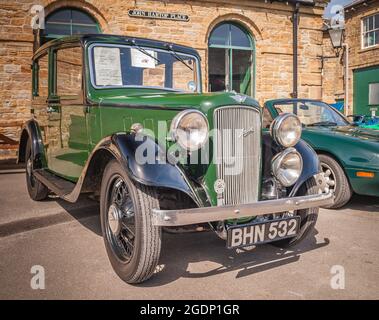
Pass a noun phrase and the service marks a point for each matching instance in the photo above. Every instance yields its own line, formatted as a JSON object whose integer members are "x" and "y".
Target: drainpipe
{"x": 295, "y": 24}
{"x": 346, "y": 109}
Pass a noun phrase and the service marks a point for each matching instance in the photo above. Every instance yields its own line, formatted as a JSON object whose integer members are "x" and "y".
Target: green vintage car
{"x": 125, "y": 119}
{"x": 349, "y": 154}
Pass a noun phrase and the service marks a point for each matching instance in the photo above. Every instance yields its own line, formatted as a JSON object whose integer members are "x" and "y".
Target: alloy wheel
{"x": 330, "y": 177}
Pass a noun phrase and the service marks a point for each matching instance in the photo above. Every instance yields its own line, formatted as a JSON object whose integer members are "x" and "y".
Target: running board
{"x": 61, "y": 187}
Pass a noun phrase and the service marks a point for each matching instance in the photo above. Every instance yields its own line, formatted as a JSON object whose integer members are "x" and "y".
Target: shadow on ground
{"x": 359, "y": 202}
{"x": 181, "y": 250}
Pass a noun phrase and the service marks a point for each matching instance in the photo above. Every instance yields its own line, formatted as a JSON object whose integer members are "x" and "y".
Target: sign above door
{"x": 136, "y": 13}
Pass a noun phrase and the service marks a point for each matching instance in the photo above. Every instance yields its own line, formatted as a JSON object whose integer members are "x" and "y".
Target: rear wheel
{"x": 308, "y": 217}
{"x": 133, "y": 244}
{"x": 37, "y": 191}
{"x": 336, "y": 180}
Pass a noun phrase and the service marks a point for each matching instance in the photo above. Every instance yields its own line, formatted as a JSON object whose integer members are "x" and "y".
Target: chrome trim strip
{"x": 169, "y": 218}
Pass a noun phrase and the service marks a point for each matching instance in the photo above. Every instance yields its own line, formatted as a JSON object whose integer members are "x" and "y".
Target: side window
{"x": 69, "y": 71}
{"x": 42, "y": 76}
{"x": 267, "y": 118}
{"x": 285, "y": 108}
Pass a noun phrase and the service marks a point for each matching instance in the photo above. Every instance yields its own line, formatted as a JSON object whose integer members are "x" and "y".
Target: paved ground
{"x": 66, "y": 241}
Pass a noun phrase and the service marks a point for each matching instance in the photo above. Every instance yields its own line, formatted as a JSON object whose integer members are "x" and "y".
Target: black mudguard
{"x": 31, "y": 130}
{"x": 158, "y": 173}
{"x": 311, "y": 165}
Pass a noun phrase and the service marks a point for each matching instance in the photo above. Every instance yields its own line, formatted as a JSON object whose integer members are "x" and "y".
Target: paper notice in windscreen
{"x": 107, "y": 66}
{"x": 142, "y": 60}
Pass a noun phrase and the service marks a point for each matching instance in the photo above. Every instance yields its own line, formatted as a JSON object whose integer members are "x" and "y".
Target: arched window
{"x": 68, "y": 21}
{"x": 231, "y": 59}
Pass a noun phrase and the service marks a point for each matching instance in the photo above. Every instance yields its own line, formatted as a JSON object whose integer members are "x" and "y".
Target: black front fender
{"x": 156, "y": 172}
{"x": 31, "y": 130}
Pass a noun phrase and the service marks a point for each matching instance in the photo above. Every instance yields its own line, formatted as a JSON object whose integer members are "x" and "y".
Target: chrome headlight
{"x": 286, "y": 130}
{"x": 190, "y": 129}
{"x": 287, "y": 166}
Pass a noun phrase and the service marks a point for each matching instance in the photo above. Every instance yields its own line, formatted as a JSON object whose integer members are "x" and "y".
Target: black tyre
{"x": 308, "y": 217}
{"x": 37, "y": 191}
{"x": 336, "y": 180}
{"x": 133, "y": 244}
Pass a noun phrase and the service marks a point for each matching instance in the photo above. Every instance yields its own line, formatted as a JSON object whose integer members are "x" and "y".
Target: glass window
{"x": 239, "y": 37}
{"x": 66, "y": 22}
{"x": 267, "y": 118}
{"x": 370, "y": 32}
{"x": 43, "y": 76}
{"x": 220, "y": 35}
{"x": 231, "y": 59}
{"x": 120, "y": 66}
{"x": 69, "y": 71}
{"x": 312, "y": 113}
{"x": 373, "y": 89}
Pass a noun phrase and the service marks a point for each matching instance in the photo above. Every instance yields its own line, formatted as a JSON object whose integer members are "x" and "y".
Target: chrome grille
{"x": 237, "y": 146}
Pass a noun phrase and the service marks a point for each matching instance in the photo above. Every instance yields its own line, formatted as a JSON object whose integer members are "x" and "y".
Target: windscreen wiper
{"x": 322, "y": 123}
{"x": 133, "y": 42}
{"x": 177, "y": 57}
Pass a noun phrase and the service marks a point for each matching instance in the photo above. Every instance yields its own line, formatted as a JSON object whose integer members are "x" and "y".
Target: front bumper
{"x": 171, "y": 218}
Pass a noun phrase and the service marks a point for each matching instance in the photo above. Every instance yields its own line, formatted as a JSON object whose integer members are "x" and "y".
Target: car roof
{"x": 115, "y": 39}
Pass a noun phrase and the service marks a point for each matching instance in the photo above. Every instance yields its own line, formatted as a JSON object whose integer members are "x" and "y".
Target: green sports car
{"x": 349, "y": 154}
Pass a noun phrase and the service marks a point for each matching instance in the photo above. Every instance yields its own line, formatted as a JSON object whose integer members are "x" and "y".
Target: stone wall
{"x": 269, "y": 24}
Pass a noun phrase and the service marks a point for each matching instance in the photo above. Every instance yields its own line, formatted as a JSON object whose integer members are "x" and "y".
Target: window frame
{"x": 54, "y": 81}
{"x": 36, "y": 75}
{"x": 364, "y": 33}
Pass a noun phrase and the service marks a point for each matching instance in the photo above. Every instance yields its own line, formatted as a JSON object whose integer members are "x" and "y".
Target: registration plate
{"x": 263, "y": 232}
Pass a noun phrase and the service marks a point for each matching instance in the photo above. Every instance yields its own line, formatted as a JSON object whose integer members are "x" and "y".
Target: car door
{"x": 67, "y": 149}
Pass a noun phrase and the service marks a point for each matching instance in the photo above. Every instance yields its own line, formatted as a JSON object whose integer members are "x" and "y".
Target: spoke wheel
{"x": 121, "y": 220}
{"x": 132, "y": 241}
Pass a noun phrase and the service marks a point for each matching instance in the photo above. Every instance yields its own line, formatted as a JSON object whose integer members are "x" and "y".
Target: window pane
{"x": 81, "y": 17}
{"x": 373, "y": 90}
{"x": 69, "y": 71}
{"x": 68, "y": 22}
{"x": 124, "y": 66}
{"x": 83, "y": 29}
{"x": 241, "y": 68}
{"x": 365, "y": 25}
{"x": 60, "y": 16}
{"x": 267, "y": 118}
{"x": 370, "y": 23}
{"x": 376, "y": 21}
{"x": 371, "y": 38}
{"x": 43, "y": 72}
{"x": 239, "y": 38}
{"x": 59, "y": 29}
{"x": 218, "y": 69}
{"x": 220, "y": 35}
{"x": 182, "y": 75}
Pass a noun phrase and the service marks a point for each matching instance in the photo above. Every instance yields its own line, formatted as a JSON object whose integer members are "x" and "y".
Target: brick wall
{"x": 269, "y": 24}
